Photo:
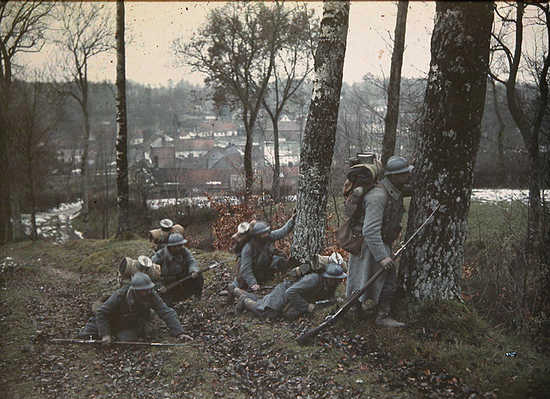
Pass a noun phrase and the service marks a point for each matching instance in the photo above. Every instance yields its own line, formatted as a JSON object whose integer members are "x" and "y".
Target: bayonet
{"x": 98, "y": 341}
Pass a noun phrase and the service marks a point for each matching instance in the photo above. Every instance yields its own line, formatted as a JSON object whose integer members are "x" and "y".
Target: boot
{"x": 383, "y": 319}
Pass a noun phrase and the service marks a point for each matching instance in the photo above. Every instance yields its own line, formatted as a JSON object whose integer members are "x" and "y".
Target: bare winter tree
{"x": 527, "y": 110}
{"x": 122, "y": 125}
{"x": 85, "y": 31}
{"x": 22, "y": 29}
{"x": 236, "y": 50}
{"x": 293, "y": 64}
{"x": 392, "y": 113}
{"x": 320, "y": 132}
{"x": 36, "y": 116}
{"x": 447, "y": 147}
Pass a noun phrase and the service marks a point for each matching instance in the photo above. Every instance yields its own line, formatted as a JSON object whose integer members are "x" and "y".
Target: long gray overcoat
{"x": 384, "y": 210}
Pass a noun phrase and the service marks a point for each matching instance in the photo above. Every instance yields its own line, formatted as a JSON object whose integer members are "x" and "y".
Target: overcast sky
{"x": 154, "y": 25}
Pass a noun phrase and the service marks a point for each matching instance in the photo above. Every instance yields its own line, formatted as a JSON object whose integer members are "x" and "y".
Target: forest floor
{"x": 46, "y": 290}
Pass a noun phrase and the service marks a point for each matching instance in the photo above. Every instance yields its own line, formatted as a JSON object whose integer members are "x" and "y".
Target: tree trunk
{"x": 276, "y": 186}
{"x": 248, "y": 172}
{"x": 500, "y": 133}
{"x": 320, "y": 132}
{"x": 122, "y": 127}
{"x": 392, "y": 114}
{"x": 448, "y": 143}
{"x": 84, "y": 173}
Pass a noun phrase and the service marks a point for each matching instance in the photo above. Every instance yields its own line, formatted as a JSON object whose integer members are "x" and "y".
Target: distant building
{"x": 193, "y": 148}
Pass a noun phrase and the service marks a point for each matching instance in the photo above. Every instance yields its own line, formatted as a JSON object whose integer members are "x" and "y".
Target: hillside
{"x": 47, "y": 289}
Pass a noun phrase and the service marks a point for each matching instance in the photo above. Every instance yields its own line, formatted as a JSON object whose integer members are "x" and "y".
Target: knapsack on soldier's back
{"x": 361, "y": 178}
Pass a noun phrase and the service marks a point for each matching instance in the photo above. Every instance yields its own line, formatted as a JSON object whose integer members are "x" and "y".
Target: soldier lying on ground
{"x": 177, "y": 262}
{"x": 126, "y": 315}
{"x": 159, "y": 237}
{"x": 258, "y": 260}
{"x": 292, "y": 299}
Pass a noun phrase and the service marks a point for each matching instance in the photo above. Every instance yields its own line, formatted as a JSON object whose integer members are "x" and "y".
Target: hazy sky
{"x": 154, "y": 25}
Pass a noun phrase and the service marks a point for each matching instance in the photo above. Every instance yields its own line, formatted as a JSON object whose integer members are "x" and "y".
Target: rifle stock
{"x": 171, "y": 286}
{"x": 331, "y": 319}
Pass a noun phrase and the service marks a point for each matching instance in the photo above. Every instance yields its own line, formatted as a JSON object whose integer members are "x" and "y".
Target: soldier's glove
{"x": 106, "y": 340}
{"x": 183, "y": 337}
{"x": 387, "y": 263}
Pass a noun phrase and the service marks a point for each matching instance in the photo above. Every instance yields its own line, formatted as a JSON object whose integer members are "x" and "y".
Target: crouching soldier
{"x": 292, "y": 299}
{"x": 159, "y": 237}
{"x": 126, "y": 315}
{"x": 177, "y": 262}
{"x": 257, "y": 258}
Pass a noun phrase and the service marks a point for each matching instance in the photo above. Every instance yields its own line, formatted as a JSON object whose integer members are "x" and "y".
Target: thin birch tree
{"x": 122, "y": 125}
{"x": 320, "y": 132}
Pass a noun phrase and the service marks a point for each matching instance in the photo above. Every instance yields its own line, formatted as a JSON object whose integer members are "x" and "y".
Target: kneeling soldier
{"x": 292, "y": 299}
{"x": 177, "y": 262}
{"x": 127, "y": 312}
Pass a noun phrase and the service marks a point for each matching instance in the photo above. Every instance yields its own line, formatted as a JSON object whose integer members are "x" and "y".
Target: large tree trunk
{"x": 392, "y": 114}
{"x": 448, "y": 143}
{"x": 122, "y": 127}
{"x": 320, "y": 132}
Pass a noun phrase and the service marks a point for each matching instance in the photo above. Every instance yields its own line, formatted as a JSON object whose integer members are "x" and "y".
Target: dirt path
{"x": 231, "y": 356}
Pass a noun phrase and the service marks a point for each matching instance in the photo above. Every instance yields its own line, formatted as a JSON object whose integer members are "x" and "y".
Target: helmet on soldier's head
{"x": 166, "y": 224}
{"x": 243, "y": 227}
{"x": 334, "y": 271}
{"x": 141, "y": 281}
{"x": 396, "y": 165}
{"x": 175, "y": 239}
{"x": 260, "y": 228}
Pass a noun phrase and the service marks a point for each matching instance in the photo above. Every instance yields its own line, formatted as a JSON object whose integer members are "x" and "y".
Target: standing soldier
{"x": 177, "y": 262}
{"x": 292, "y": 299}
{"x": 127, "y": 313}
{"x": 159, "y": 237}
{"x": 258, "y": 259}
{"x": 383, "y": 212}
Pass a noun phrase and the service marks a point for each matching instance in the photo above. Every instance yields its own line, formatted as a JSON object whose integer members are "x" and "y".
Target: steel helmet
{"x": 166, "y": 224}
{"x": 396, "y": 165}
{"x": 334, "y": 271}
{"x": 260, "y": 228}
{"x": 141, "y": 281}
{"x": 175, "y": 239}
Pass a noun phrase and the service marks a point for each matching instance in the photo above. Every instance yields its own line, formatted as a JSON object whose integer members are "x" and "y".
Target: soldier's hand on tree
{"x": 255, "y": 287}
{"x": 185, "y": 337}
{"x": 195, "y": 274}
{"x": 311, "y": 307}
{"x": 106, "y": 340}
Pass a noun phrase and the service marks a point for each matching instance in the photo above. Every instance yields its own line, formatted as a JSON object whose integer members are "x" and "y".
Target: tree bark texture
{"x": 448, "y": 143}
{"x": 392, "y": 113}
{"x": 320, "y": 132}
{"x": 122, "y": 126}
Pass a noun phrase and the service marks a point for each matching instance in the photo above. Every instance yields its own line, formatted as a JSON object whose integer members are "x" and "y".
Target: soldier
{"x": 258, "y": 259}
{"x": 292, "y": 299}
{"x": 127, "y": 313}
{"x": 381, "y": 226}
{"x": 129, "y": 266}
{"x": 159, "y": 237}
{"x": 177, "y": 262}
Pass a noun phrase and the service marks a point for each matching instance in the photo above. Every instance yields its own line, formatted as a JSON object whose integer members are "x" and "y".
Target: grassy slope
{"x": 448, "y": 351}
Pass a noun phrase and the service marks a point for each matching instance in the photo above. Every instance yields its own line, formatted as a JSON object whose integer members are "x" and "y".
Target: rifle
{"x": 98, "y": 341}
{"x": 170, "y": 286}
{"x": 331, "y": 319}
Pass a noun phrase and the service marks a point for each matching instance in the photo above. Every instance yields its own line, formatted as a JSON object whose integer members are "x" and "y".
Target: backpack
{"x": 361, "y": 178}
